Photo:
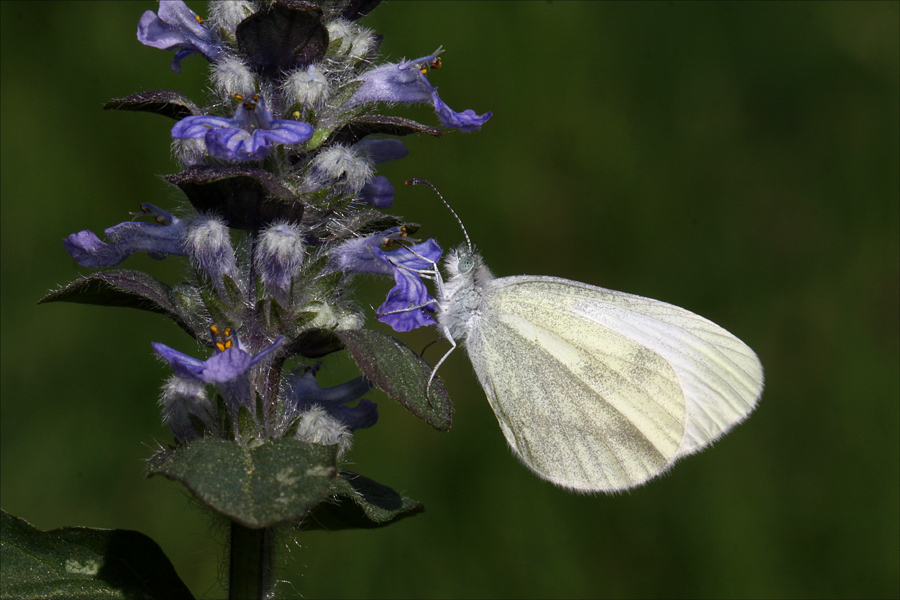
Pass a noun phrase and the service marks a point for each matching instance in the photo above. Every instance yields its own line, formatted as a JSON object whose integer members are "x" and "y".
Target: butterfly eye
{"x": 466, "y": 263}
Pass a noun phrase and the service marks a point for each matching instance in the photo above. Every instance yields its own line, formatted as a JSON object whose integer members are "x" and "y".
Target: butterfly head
{"x": 465, "y": 267}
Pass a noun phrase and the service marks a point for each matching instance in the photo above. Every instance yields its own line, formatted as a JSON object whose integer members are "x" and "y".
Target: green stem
{"x": 250, "y": 569}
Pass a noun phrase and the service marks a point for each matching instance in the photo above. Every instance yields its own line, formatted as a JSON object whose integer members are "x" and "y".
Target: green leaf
{"x": 303, "y": 318}
{"x": 234, "y": 291}
{"x": 218, "y": 311}
{"x": 400, "y": 373}
{"x": 276, "y": 317}
{"x": 81, "y": 562}
{"x": 123, "y": 287}
{"x": 322, "y": 133}
{"x": 278, "y": 481}
{"x": 247, "y": 427}
{"x": 345, "y": 94}
{"x": 361, "y": 503}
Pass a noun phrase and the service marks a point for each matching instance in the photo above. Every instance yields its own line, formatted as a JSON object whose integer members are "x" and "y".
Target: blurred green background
{"x": 737, "y": 159}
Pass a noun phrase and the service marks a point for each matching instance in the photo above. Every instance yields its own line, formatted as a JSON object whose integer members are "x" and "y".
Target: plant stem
{"x": 250, "y": 568}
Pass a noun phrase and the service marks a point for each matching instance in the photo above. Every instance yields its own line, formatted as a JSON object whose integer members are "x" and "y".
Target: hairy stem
{"x": 250, "y": 568}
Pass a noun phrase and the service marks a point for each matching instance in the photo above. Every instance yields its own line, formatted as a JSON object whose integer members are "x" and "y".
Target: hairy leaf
{"x": 400, "y": 373}
{"x": 168, "y": 103}
{"x": 279, "y": 481}
{"x": 123, "y": 287}
{"x": 360, "y": 503}
{"x": 81, "y": 562}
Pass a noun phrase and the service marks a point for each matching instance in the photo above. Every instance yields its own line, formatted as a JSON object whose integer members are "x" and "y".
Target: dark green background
{"x": 740, "y": 160}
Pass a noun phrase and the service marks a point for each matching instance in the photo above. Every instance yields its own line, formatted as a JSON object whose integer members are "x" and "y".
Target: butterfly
{"x": 594, "y": 389}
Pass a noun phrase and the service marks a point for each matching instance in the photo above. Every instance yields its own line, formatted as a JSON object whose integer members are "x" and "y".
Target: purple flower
{"x": 176, "y": 27}
{"x": 303, "y": 393}
{"x": 245, "y": 137}
{"x": 408, "y": 304}
{"x": 466, "y": 120}
{"x": 228, "y": 369}
{"x": 159, "y": 239}
{"x": 381, "y": 150}
{"x": 378, "y": 192}
{"x": 406, "y": 82}
{"x": 229, "y": 363}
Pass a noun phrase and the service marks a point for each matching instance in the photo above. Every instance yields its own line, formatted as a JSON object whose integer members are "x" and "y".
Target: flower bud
{"x": 190, "y": 152}
{"x": 209, "y": 246}
{"x": 225, "y": 15}
{"x": 316, "y": 426}
{"x": 341, "y": 166}
{"x": 230, "y": 76}
{"x": 181, "y": 398}
{"x": 307, "y": 86}
{"x": 279, "y": 256}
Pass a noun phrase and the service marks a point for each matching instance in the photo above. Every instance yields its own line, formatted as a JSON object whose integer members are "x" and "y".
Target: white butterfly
{"x": 595, "y": 390}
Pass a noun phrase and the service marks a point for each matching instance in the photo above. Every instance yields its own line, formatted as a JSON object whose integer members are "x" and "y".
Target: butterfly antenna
{"x": 418, "y": 181}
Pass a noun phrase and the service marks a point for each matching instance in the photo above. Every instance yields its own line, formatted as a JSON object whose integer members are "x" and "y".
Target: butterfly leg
{"x": 439, "y": 363}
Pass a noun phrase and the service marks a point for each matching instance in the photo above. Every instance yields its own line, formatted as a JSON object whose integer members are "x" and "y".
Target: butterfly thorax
{"x": 462, "y": 292}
